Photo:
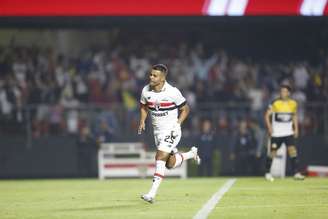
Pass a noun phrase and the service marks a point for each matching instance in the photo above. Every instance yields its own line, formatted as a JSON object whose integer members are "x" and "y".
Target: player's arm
{"x": 143, "y": 116}
{"x": 267, "y": 121}
{"x": 295, "y": 123}
{"x": 183, "y": 113}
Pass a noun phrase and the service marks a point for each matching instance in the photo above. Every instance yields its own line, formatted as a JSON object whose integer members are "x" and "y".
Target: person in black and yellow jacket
{"x": 282, "y": 125}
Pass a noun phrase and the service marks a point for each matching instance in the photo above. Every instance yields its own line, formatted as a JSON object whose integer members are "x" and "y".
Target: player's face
{"x": 156, "y": 77}
{"x": 284, "y": 93}
{"x": 207, "y": 126}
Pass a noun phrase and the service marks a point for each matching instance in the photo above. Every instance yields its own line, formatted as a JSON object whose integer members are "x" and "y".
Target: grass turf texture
{"x": 248, "y": 198}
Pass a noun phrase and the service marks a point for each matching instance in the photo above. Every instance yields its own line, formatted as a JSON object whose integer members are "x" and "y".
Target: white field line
{"x": 210, "y": 204}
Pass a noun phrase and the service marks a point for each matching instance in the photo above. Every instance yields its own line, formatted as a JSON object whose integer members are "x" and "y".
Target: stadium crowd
{"x": 48, "y": 82}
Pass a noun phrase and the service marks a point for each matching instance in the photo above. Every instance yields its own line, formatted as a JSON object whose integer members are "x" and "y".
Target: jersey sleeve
{"x": 179, "y": 100}
{"x": 143, "y": 99}
{"x": 274, "y": 105}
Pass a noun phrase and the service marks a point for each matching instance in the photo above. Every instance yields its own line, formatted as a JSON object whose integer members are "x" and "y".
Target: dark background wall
{"x": 47, "y": 157}
{"x": 58, "y": 156}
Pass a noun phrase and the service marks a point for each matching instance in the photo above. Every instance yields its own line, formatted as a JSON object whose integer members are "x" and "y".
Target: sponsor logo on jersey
{"x": 283, "y": 117}
{"x": 159, "y": 114}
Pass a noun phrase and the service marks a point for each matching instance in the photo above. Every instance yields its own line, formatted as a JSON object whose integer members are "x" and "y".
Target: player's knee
{"x": 292, "y": 152}
{"x": 160, "y": 155}
{"x": 170, "y": 162}
{"x": 168, "y": 165}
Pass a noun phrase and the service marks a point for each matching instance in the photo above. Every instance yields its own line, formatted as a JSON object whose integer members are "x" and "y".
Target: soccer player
{"x": 282, "y": 125}
{"x": 168, "y": 109}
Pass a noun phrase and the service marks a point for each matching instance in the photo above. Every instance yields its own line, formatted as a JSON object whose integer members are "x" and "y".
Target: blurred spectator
{"x": 105, "y": 132}
{"x": 6, "y": 106}
{"x": 300, "y": 76}
{"x": 206, "y": 143}
{"x": 243, "y": 150}
{"x": 300, "y": 97}
{"x": 56, "y": 119}
{"x": 256, "y": 96}
{"x": 261, "y": 142}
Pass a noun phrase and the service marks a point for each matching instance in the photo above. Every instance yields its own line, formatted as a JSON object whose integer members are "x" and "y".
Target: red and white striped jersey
{"x": 163, "y": 106}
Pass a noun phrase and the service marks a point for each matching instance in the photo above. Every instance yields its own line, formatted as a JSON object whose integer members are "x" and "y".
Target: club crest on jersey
{"x": 157, "y": 106}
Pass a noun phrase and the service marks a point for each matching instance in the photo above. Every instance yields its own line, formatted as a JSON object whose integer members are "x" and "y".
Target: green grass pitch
{"x": 120, "y": 198}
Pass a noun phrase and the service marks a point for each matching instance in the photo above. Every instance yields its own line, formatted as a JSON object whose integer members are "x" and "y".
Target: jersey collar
{"x": 284, "y": 100}
{"x": 163, "y": 88}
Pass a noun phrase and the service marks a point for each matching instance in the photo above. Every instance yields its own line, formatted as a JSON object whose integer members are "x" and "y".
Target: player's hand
{"x": 296, "y": 134}
{"x": 142, "y": 127}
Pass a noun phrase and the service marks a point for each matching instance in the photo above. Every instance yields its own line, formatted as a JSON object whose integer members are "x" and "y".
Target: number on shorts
{"x": 169, "y": 139}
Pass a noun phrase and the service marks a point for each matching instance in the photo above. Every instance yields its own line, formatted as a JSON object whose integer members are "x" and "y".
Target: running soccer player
{"x": 282, "y": 125}
{"x": 168, "y": 109}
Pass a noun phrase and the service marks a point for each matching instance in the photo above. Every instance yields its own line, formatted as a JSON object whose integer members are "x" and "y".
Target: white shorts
{"x": 168, "y": 140}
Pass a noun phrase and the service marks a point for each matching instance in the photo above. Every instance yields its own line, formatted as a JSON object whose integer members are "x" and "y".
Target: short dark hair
{"x": 161, "y": 67}
{"x": 288, "y": 87}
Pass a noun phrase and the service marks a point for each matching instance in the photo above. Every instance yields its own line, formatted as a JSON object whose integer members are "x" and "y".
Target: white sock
{"x": 158, "y": 177}
{"x": 178, "y": 160}
{"x": 188, "y": 155}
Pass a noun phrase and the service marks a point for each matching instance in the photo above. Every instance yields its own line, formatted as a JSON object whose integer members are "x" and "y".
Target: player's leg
{"x": 176, "y": 159}
{"x": 292, "y": 153}
{"x": 273, "y": 146}
{"x": 161, "y": 158}
{"x": 162, "y": 155}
